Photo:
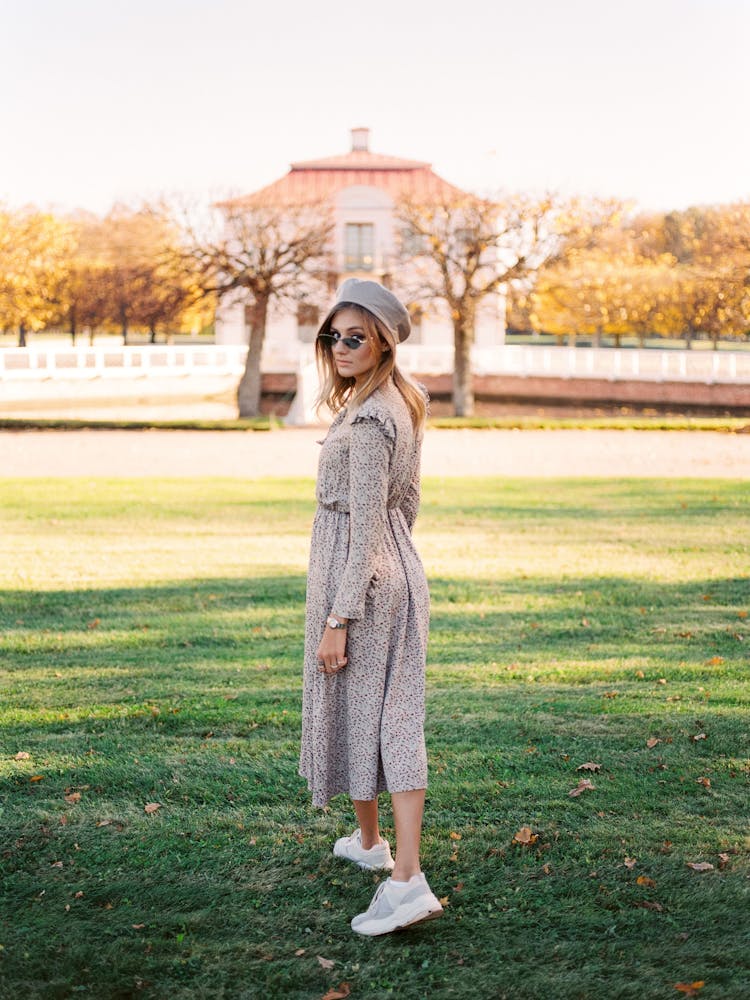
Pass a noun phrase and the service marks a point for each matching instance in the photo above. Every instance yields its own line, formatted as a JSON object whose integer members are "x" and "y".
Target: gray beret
{"x": 377, "y": 300}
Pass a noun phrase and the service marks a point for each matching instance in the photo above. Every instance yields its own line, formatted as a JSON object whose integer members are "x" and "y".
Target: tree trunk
{"x": 22, "y": 335}
{"x": 248, "y": 391}
{"x": 641, "y": 340}
{"x": 152, "y": 334}
{"x": 689, "y": 334}
{"x": 463, "y": 387}
{"x": 617, "y": 337}
{"x": 73, "y": 325}
{"x": 124, "y": 324}
{"x": 597, "y": 339}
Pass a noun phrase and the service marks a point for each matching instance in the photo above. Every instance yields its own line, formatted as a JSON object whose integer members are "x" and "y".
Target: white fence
{"x": 72, "y": 363}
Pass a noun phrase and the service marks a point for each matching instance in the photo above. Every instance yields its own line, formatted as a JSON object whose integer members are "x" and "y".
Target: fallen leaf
{"x": 327, "y": 963}
{"x": 630, "y": 863}
{"x": 104, "y": 822}
{"x": 640, "y": 674}
{"x": 338, "y": 993}
{"x": 583, "y": 785}
{"x": 611, "y": 694}
{"x": 723, "y": 860}
{"x": 300, "y": 951}
{"x": 73, "y": 797}
{"x": 652, "y": 741}
{"x": 714, "y": 661}
{"x": 706, "y": 782}
{"x": 586, "y": 623}
{"x": 662, "y": 680}
{"x": 152, "y": 807}
{"x": 56, "y": 864}
{"x": 453, "y": 857}
{"x": 742, "y": 614}
{"x": 94, "y": 623}
{"x": 699, "y": 736}
{"x": 700, "y": 866}
{"x": 443, "y": 900}
{"x": 36, "y": 777}
{"x": 78, "y": 895}
{"x": 138, "y": 927}
{"x": 525, "y": 836}
{"x": 648, "y": 904}
{"x": 645, "y": 880}
{"x": 22, "y": 755}
{"x": 589, "y": 766}
{"x": 690, "y": 989}
{"x": 455, "y": 836}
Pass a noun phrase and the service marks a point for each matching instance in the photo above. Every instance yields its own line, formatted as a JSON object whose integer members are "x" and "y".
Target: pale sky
{"x": 126, "y": 99}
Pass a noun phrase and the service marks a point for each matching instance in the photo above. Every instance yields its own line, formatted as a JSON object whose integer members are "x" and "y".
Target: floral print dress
{"x": 363, "y": 727}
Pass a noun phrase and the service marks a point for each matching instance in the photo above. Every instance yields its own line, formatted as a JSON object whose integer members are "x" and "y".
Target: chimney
{"x": 360, "y": 139}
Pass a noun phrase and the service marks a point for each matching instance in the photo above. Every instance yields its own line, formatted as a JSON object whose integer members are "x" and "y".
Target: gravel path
{"x": 293, "y": 452}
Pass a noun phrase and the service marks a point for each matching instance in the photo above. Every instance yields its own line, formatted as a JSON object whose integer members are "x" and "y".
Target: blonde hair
{"x": 337, "y": 391}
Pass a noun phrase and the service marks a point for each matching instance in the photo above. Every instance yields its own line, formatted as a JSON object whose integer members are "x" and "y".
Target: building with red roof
{"x": 363, "y": 187}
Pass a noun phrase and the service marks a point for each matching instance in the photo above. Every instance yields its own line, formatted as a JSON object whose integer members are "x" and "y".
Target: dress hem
{"x": 382, "y": 787}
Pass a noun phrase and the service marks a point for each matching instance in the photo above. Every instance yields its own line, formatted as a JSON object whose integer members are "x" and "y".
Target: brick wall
{"x": 278, "y": 390}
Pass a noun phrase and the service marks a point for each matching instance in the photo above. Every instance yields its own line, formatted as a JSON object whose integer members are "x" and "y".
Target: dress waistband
{"x": 343, "y": 508}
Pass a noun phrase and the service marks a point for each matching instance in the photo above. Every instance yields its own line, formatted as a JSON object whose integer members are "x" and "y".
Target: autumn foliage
{"x": 683, "y": 275}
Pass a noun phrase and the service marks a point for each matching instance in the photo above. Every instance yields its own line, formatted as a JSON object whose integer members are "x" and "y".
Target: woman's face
{"x": 351, "y": 363}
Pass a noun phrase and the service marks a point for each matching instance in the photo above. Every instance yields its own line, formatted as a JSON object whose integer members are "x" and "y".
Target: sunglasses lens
{"x": 333, "y": 338}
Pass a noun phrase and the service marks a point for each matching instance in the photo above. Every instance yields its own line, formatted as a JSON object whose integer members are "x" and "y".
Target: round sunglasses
{"x": 351, "y": 342}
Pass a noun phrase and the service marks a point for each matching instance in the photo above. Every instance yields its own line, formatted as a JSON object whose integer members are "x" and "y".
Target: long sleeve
{"x": 410, "y": 502}
{"x": 370, "y": 452}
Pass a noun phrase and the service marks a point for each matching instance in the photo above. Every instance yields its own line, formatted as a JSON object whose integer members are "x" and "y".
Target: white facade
{"x": 364, "y": 246}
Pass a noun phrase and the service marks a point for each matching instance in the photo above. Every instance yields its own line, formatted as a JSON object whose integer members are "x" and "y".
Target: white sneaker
{"x": 394, "y": 907}
{"x": 351, "y": 848}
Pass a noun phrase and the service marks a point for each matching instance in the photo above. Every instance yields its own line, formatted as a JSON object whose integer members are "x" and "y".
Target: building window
{"x": 359, "y": 246}
{"x": 308, "y": 321}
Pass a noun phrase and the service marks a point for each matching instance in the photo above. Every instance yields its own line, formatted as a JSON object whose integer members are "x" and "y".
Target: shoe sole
{"x": 419, "y": 917}
{"x": 364, "y": 865}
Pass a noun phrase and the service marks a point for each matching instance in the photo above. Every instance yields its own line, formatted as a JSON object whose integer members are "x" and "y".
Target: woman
{"x": 367, "y": 611}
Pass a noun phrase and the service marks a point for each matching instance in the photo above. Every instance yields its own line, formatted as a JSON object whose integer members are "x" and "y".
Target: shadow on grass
{"x": 194, "y": 629}
{"x": 220, "y": 659}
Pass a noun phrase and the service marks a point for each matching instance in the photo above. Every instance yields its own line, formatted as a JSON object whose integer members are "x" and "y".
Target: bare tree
{"x": 264, "y": 254}
{"x": 464, "y": 249}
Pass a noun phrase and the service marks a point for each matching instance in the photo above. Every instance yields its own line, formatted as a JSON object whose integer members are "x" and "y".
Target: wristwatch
{"x": 332, "y": 622}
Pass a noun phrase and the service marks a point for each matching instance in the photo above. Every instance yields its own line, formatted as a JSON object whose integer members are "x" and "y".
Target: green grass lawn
{"x": 150, "y": 651}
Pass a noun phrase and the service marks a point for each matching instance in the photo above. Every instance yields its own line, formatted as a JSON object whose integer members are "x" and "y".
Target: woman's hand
{"x": 332, "y": 650}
